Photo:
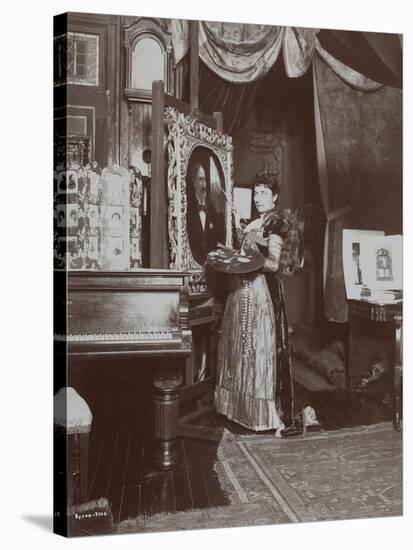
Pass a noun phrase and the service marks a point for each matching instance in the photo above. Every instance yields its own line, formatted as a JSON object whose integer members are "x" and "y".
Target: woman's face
{"x": 264, "y": 198}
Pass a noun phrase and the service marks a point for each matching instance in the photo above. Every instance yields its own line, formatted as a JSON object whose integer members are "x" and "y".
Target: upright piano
{"x": 127, "y": 315}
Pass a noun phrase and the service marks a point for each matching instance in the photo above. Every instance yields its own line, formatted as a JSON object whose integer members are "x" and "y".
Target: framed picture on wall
{"x": 72, "y": 215}
{"x": 72, "y": 181}
{"x": 61, "y": 215}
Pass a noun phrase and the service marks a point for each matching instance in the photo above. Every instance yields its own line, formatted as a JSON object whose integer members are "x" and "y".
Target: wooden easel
{"x": 192, "y": 390}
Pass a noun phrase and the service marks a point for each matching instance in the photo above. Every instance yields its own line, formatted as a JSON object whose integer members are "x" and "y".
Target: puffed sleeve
{"x": 272, "y": 261}
{"x": 274, "y": 222}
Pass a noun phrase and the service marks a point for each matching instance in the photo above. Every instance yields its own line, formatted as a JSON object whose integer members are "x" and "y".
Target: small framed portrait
{"x": 72, "y": 183}
{"x": 93, "y": 216}
{"x": 61, "y": 182}
{"x": 72, "y": 212}
{"x": 93, "y": 248}
{"x": 61, "y": 215}
{"x": 114, "y": 216}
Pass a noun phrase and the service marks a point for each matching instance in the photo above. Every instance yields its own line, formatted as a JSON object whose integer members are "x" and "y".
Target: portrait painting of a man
{"x": 205, "y": 223}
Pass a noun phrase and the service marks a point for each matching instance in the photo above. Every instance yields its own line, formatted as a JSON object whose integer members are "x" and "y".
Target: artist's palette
{"x": 228, "y": 260}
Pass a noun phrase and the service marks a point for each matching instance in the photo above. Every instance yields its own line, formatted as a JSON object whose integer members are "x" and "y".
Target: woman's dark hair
{"x": 269, "y": 180}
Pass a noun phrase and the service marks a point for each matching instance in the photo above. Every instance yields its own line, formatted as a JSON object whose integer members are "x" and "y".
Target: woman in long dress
{"x": 254, "y": 385}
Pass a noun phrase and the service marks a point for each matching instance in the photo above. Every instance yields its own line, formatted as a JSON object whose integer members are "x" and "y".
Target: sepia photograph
{"x": 382, "y": 261}
{"x": 61, "y": 182}
{"x": 72, "y": 215}
{"x": 114, "y": 215}
{"x": 92, "y": 251}
{"x": 230, "y": 361}
{"x": 61, "y": 215}
{"x": 352, "y": 262}
{"x": 72, "y": 182}
{"x": 93, "y": 216}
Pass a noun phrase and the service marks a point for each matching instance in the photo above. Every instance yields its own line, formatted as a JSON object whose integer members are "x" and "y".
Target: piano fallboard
{"x": 143, "y": 313}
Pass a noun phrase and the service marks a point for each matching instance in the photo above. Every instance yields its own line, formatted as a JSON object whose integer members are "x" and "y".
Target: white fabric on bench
{"x": 71, "y": 412}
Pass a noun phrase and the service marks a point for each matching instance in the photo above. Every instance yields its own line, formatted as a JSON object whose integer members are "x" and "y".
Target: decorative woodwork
{"x": 146, "y": 28}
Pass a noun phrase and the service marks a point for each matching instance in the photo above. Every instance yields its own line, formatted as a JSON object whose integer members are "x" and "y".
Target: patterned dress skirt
{"x": 246, "y": 367}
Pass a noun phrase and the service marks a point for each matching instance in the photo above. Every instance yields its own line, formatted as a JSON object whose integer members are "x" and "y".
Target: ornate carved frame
{"x": 185, "y": 133}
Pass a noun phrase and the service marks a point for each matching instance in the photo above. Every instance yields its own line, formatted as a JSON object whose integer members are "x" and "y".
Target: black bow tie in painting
{"x": 202, "y": 207}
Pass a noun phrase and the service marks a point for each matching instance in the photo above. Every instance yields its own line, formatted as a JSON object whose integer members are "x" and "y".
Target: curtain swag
{"x": 242, "y": 53}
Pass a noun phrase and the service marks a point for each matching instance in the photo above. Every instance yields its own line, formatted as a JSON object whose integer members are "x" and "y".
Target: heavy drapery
{"x": 359, "y": 152}
{"x": 242, "y": 53}
{"x": 239, "y": 53}
{"x": 375, "y": 55}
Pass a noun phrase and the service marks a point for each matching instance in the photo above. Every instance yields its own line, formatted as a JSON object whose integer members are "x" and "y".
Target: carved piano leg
{"x": 166, "y": 417}
{"x": 398, "y": 370}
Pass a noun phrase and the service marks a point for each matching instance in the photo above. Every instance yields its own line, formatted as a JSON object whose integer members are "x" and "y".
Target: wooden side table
{"x": 382, "y": 314}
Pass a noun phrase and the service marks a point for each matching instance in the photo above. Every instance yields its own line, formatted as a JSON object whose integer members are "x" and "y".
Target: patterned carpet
{"x": 234, "y": 515}
{"x": 345, "y": 474}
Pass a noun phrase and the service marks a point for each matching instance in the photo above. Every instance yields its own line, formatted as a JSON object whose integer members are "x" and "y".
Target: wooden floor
{"x": 120, "y": 458}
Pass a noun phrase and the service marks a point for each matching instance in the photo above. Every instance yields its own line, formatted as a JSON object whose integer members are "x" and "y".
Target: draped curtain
{"x": 239, "y": 53}
{"x": 233, "y": 100}
{"x": 359, "y": 152}
{"x": 375, "y": 55}
{"x": 242, "y": 53}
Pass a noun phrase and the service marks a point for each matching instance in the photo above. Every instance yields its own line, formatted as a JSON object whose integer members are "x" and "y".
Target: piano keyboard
{"x": 117, "y": 337}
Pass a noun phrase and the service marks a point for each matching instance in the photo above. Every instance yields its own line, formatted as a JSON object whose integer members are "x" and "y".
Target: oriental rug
{"x": 344, "y": 474}
{"x": 233, "y": 515}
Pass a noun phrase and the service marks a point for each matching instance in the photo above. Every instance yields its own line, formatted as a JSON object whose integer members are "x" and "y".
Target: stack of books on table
{"x": 381, "y": 296}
